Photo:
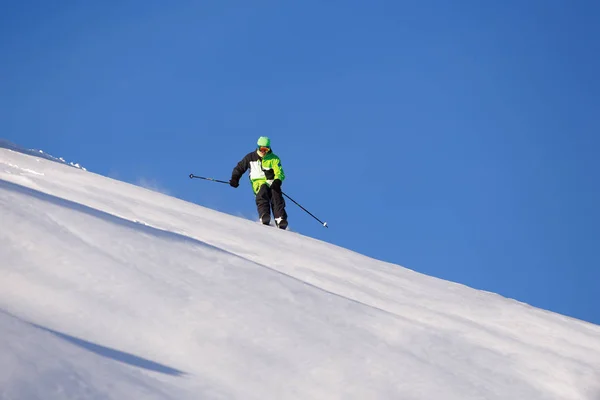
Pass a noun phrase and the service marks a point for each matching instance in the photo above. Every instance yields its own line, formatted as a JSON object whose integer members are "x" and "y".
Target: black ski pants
{"x": 267, "y": 199}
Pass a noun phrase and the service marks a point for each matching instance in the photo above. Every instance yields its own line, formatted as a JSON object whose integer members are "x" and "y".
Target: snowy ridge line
{"x": 38, "y": 153}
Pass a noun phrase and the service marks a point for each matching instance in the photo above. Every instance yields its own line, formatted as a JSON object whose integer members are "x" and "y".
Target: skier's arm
{"x": 240, "y": 168}
{"x": 278, "y": 170}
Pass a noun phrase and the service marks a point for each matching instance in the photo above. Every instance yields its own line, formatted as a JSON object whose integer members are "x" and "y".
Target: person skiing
{"x": 266, "y": 177}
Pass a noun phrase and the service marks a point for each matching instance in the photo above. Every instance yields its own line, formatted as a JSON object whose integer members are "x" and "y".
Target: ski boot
{"x": 281, "y": 223}
{"x": 265, "y": 219}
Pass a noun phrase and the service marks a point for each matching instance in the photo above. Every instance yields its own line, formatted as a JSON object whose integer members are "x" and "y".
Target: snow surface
{"x": 112, "y": 291}
{"x": 38, "y": 153}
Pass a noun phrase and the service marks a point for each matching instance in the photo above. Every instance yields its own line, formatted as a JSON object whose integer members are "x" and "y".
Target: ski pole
{"x": 192, "y": 176}
{"x": 295, "y": 202}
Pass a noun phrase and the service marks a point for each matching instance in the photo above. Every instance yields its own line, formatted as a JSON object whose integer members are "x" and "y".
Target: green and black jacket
{"x": 262, "y": 169}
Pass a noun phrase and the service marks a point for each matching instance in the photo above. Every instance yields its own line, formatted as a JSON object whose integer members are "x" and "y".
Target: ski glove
{"x": 276, "y": 185}
{"x": 234, "y": 182}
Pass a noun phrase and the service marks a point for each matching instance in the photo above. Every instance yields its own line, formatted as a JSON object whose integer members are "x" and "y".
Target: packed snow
{"x": 37, "y": 153}
{"x": 112, "y": 291}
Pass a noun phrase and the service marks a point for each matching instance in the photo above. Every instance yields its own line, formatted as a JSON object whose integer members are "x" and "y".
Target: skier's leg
{"x": 278, "y": 205}
{"x": 263, "y": 200}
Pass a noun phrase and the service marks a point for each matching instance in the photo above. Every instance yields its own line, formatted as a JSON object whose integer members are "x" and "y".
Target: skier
{"x": 266, "y": 176}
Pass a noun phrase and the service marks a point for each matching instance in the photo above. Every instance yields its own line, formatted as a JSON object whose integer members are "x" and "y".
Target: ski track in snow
{"x": 30, "y": 171}
{"x": 110, "y": 291}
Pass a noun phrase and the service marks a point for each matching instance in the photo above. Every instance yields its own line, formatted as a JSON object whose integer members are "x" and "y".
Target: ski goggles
{"x": 264, "y": 149}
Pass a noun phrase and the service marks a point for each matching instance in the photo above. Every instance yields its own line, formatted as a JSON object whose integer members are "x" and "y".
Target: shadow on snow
{"x": 116, "y": 355}
{"x": 107, "y": 352}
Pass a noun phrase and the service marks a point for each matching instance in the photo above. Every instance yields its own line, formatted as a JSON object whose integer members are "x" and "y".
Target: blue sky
{"x": 458, "y": 139}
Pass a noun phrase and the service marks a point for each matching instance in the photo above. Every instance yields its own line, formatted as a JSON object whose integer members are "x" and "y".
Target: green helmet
{"x": 264, "y": 141}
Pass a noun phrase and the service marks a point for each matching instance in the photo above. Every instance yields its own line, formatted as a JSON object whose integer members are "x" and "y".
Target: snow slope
{"x": 37, "y": 153}
{"x": 112, "y": 291}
